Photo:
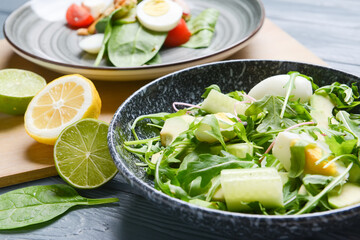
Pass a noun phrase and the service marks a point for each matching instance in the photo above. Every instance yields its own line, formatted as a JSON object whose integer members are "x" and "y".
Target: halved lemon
{"x": 62, "y": 102}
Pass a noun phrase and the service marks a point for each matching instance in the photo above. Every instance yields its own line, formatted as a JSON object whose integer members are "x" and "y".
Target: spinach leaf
{"x": 272, "y": 106}
{"x": 36, "y": 204}
{"x": 155, "y": 60}
{"x": 202, "y": 29}
{"x": 107, "y": 35}
{"x": 101, "y": 25}
{"x": 133, "y": 45}
{"x": 349, "y": 124}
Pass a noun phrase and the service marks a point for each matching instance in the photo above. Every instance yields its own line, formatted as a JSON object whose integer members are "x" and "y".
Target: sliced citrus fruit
{"x": 82, "y": 156}
{"x": 17, "y": 88}
{"x": 62, "y": 102}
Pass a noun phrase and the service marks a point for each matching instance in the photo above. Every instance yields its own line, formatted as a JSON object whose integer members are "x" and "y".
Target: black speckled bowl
{"x": 187, "y": 86}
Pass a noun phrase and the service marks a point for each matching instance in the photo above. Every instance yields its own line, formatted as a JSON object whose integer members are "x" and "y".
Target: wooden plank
{"x": 22, "y": 159}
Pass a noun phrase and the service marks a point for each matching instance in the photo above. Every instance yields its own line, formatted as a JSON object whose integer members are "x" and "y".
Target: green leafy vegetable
{"x": 208, "y": 89}
{"x": 202, "y": 29}
{"x": 290, "y": 85}
{"x": 106, "y": 26}
{"x": 272, "y": 121}
{"x": 133, "y": 45}
{"x": 340, "y": 146}
{"x": 204, "y": 167}
{"x": 315, "y": 199}
{"x": 155, "y": 60}
{"x": 349, "y": 124}
{"x": 36, "y": 204}
{"x": 342, "y": 95}
{"x": 214, "y": 131}
{"x": 297, "y": 158}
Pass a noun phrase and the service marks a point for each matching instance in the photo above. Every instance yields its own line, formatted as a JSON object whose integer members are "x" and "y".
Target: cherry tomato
{"x": 78, "y": 16}
{"x": 179, "y": 35}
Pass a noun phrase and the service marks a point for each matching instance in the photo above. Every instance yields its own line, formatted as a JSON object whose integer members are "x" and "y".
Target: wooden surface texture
{"x": 328, "y": 28}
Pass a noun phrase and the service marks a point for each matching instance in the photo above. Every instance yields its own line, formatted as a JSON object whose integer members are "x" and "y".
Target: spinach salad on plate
{"x": 130, "y": 33}
{"x": 285, "y": 147}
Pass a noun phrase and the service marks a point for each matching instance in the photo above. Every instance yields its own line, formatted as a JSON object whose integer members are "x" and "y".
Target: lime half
{"x": 17, "y": 88}
{"x": 82, "y": 156}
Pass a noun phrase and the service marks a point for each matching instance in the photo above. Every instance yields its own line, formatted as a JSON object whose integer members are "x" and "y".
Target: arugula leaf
{"x": 270, "y": 160}
{"x": 162, "y": 116}
{"x": 209, "y": 88}
{"x": 342, "y": 95}
{"x": 351, "y": 126}
{"x": 313, "y": 201}
{"x": 210, "y": 120}
{"x": 258, "y": 208}
{"x": 339, "y": 146}
{"x": 36, "y": 204}
{"x": 290, "y": 190}
{"x": 207, "y": 166}
{"x": 272, "y": 106}
{"x": 315, "y": 183}
{"x": 302, "y": 110}
{"x": 206, "y": 204}
{"x": 238, "y": 95}
{"x": 290, "y": 85}
{"x": 297, "y": 158}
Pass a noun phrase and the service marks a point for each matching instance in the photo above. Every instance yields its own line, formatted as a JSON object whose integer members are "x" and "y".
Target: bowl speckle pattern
{"x": 187, "y": 86}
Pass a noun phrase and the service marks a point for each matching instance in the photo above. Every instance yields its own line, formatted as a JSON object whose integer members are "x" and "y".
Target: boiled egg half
{"x": 275, "y": 85}
{"x": 314, "y": 151}
{"x": 159, "y": 15}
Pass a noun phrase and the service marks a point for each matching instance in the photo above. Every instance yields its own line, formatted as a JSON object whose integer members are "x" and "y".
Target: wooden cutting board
{"x": 23, "y": 159}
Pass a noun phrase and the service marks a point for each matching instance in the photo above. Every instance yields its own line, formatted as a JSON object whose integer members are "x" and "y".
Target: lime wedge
{"x": 17, "y": 88}
{"x": 82, "y": 156}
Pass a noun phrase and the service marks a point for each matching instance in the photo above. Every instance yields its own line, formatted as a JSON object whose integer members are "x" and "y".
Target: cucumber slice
{"x": 354, "y": 174}
{"x": 322, "y": 110}
{"x": 242, "y": 186}
{"x": 237, "y": 149}
{"x": 173, "y": 127}
{"x": 349, "y": 195}
{"x": 217, "y": 102}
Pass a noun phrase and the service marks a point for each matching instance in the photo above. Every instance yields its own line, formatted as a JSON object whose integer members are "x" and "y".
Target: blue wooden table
{"x": 329, "y": 28}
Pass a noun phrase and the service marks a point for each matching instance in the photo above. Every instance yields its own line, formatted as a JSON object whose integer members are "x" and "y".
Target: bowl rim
{"x": 158, "y": 195}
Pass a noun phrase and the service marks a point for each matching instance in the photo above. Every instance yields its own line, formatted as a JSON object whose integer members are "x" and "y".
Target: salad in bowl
{"x": 270, "y": 145}
{"x": 285, "y": 147}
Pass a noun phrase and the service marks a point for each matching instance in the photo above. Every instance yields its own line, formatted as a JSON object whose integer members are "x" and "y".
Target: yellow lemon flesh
{"x": 62, "y": 102}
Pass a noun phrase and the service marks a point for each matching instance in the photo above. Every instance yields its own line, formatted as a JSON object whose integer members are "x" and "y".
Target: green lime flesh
{"x": 17, "y": 88}
{"x": 81, "y": 154}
